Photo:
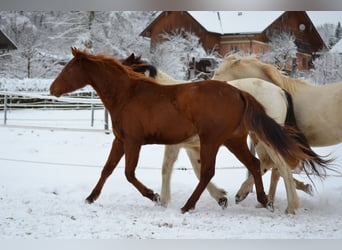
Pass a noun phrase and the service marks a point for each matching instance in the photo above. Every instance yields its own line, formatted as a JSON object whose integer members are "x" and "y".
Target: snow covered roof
{"x": 230, "y": 22}
{"x": 337, "y": 48}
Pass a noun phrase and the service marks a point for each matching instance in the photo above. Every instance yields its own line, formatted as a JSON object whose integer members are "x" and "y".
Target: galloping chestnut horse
{"x": 278, "y": 105}
{"x": 144, "y": 112}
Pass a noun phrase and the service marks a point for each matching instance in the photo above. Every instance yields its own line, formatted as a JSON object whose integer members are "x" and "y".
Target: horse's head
{"x": 72, "y": 77}
{"x": 132, "y": 59}
{"x": 226, "y": 71}
{"x": 236, "y": 67}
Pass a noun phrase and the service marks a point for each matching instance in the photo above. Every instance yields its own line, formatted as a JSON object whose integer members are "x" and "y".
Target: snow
{"x": 26, "y": 84}
{"x": 45, "y": 175}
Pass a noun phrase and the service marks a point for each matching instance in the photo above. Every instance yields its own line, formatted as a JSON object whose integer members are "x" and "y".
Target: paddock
{"x": 42, "y": 195}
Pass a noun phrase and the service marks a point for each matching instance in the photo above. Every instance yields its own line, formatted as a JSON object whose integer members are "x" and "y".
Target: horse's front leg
{"x": 220, "y": 195}
{"x": 132, "y": 150}
{"x": 114, "y": 157}
{"x": 170, "y": 156}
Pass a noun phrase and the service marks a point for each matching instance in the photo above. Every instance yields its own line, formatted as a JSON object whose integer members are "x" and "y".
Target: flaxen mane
{"x": 271, "y": 72}
{"x": 281, "y": 80}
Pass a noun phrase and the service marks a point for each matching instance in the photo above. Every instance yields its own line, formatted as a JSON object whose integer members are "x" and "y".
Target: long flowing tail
{"x": 315, "y": 164}
{"x": 285, "y": 140}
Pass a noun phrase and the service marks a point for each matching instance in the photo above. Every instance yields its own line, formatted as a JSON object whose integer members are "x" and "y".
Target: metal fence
{"x": 82, "y": 100}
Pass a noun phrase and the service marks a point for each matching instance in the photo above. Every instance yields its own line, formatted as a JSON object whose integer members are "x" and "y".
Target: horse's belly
{"x": 316, "y": 121}
{"x": 169, "y": 131}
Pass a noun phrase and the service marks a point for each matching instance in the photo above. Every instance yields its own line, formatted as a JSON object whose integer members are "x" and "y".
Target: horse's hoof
{"x": 270, "y": 206}
{"x": 156, "y": 199}
{"x": 223, "y": 202}
{"x": 290, "y": 211}
{"x": 309, "y": 190}
{"x": 239, "y": 198}
{"x": 186, "y": 209}
{"x": 89, "y": 201}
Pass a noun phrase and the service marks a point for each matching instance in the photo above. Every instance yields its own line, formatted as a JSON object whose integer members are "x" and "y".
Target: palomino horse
{"x": 278, "y": 105}
{"x": 317, "y": 107}
{"x": 145, "y": 112}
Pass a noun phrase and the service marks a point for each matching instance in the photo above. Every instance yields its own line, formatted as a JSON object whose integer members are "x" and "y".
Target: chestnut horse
{"x": 317, "y": 107}
{"x": 278, "y": 105}
{"x": 145, "y": 112}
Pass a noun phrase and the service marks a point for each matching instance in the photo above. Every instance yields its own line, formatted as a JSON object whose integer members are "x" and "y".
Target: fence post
{"x": 106, "y": 126}
{"x": 92, "y": 109}
{"x": 5, "y": 109}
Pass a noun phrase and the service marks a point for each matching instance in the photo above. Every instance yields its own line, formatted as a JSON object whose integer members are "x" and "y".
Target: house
{"x": 247, "y": 31}
{"x": 6, "y": 43}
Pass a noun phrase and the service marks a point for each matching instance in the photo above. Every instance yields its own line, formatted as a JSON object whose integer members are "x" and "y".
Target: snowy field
{"x": 45, "y": 175}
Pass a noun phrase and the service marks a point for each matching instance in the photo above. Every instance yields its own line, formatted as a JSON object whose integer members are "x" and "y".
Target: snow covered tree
{"x": 328, "y": 33}
{"x": 327, "y": 68}
{"x": 282, "y": 49}
{"x": 176, "y": 50}
{"x": 44, "y": 38}
{"x": 117, "y": 32}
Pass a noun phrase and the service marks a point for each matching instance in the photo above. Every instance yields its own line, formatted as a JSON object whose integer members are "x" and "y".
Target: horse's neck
{"x": 112, "y": 87}
{"x": 165, "y": 79}
{"x": 288, "y": 83}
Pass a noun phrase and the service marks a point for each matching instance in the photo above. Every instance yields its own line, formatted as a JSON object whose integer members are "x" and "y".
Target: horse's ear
{"x": 237, "y": 61}
{"x": 74, "y": 51}
{"x": 129, "y": 60}
{"x": 131, "y": 57}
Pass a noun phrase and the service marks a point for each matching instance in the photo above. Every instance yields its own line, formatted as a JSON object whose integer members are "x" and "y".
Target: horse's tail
{"x": 283, "y": 139}
{"x": 315, "y": 161}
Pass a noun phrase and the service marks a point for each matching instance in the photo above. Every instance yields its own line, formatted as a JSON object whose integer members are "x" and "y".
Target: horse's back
{"x": 212, "y": 102}
{"x": 272, "y": 97}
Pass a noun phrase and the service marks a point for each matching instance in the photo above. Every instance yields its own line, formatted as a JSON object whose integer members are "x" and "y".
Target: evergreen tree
{"x": 338, "y": 32}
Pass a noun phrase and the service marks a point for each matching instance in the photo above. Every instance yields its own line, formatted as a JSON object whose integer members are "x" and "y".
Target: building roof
{"x": 5, "y": 42}
{"x": 233, "y": 22}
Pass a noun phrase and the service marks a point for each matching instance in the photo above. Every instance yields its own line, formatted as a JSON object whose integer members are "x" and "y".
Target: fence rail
{"x": 11, "y": 100}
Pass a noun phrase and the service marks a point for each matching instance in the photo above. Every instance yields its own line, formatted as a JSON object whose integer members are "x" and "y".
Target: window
{"x": 304, "y": 62}
{"x": 235, "y": 48}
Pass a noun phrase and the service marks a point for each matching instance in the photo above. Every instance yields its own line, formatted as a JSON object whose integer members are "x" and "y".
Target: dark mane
{"x": 139, "y": 65}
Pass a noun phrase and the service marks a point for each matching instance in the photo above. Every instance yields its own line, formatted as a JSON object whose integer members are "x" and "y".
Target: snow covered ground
{"x": 45, "y": 175}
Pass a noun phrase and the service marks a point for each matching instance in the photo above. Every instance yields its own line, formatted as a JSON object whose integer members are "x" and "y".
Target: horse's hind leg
{"x": 170, "y": 156}
{"x": 291, "y": 193}
{"x": 239, "y": 148}
{"x": 275, "y": 175}
{"x": 307, "y": 188}
{"x": 265, "y": 164}
{"x": 114, "y": 157}
{"x": 217, "y": 193}
{"x": 208, "y": 157}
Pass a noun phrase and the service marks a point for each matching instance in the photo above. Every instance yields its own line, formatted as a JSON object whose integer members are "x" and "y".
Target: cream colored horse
{"x": 317, "y": 107}
{"x": 274, "y": 100}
